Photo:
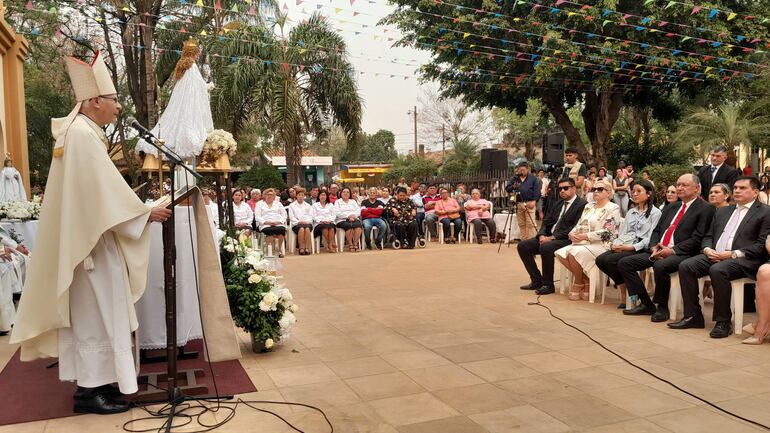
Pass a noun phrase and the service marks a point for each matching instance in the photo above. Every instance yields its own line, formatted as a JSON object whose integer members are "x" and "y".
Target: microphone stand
{"x": 174, "y": 395}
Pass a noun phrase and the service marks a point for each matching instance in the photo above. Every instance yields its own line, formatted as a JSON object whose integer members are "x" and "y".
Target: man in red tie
{"x": 677, "y": 237}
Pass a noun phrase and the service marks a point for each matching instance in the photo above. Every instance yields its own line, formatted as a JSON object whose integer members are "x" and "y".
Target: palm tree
{"x": 729, "y": 125}
{"x": 296, "y": 84}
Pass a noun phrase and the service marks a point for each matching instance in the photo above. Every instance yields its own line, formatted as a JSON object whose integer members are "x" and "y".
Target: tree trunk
{"x": 557, "y": 109}
{"x": 600, "y": 114}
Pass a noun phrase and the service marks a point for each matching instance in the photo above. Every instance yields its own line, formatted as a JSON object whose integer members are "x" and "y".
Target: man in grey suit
{"x": 733, "y": 248}
{"x": 553, "y": 235}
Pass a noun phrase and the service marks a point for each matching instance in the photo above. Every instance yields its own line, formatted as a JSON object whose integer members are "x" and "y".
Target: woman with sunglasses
{"x": 670, "y": 197}
{"x": 590, "y": 238}
{"x": 633, "y": 236}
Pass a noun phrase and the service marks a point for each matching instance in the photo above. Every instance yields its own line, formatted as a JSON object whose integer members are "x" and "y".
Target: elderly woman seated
{"x": 270, "y": 216}
{"x": 590, "y": 237}
{"x": 448, "y": 211}
{"x": 404, "y": 216}
{"x": 478, "y": 213}
{"x": 633, "y": 237}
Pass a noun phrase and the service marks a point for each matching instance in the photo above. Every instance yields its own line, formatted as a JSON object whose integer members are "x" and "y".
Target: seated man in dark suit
{"x": 716, "y": 172}
{"x": 676, "y": 237}
{"x": 553, "y": 235}
{"x": 733, "y": 248}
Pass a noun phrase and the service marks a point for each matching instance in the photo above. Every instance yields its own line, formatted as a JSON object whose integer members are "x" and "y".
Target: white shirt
{"x": 714, "y": 173}
{"x": 274, "y": 213}
{"x": 688, "y": 205}
{"x": 344, "y": 210}
{"x": 323, "y": 214}
{"x": 243, "y": 214}
{"x": 741, "y": 210}
{"x": 300, "y": 212}
{"x": 563, "y": 211}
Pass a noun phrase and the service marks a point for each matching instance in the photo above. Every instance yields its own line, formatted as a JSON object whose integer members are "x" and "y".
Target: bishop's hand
{"x": 159, "y": 214}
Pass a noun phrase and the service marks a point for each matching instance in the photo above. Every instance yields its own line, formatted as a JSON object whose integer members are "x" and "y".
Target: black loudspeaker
{"x": 494, "y": 160}
{"x": 553, "y": 148}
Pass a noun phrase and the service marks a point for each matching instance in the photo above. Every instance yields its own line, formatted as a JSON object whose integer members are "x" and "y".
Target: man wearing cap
{"x": 528, "y": 188}
{"x": 574, "y": 168}
{"x": 90, "y": 263}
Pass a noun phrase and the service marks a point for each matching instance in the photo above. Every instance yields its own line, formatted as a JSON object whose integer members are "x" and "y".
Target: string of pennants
{"x": 605, "y": 13}
{"x": 625, "y": 70}
{"x": 602, "y": 64}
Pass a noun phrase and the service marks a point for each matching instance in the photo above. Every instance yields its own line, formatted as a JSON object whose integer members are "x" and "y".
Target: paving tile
{"x": 641, "y": 400}
{"x": 467, "y": 353}
{"x": 443, "y": 377}
{"x": 384, "y": 385}
{"x": 412, "y": 409}
{"x": 633, "y": 426}
{"x": 538, "y": 388}
{"x": 499, "y": 369}
{"x": 550, "y": 362}
{"x": 336, "y": 393}
{"x": 358, "y": 367}
{"x": 457, "y": 424}
{"x": 592, "y": 378}
{"x": 415, "y": 359}
{"x": 583, "y": 412}
{"x": 301, "y": 375}
{"x": 700, "y": 420}
{"x": 520, "y": 419}
{"x": 474, "y": 399}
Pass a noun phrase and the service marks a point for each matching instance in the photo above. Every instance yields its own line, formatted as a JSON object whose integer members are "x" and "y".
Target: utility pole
{"x": 416, "y": 150}
{"x": 443, "y": 143}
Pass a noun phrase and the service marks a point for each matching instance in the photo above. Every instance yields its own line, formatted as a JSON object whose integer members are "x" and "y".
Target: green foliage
{"x": 262, "y": 176}
{"x": 463, "y": 158}
{"x": 287, "y": 95}
{"x": 658, "y": 150}
{"x": 666, "y": 174}
{"x": 410, "y": 168}
{"x": 728, "y": 124}
{"x": 46, "y": 98}
{"x": 379, "y": 147}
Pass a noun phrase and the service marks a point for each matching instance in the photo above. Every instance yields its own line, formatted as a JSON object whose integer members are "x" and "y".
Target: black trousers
{"x": 721, "y": 273}
{"x": 529, "y": 248}
{"x": 406, "y": 233}
{"x": 608, "y": 263}
{"x": 491, "y": 227}
{"x": 630, "y": 266}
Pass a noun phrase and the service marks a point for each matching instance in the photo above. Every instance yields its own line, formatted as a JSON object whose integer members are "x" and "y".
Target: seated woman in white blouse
{"x": 242, "y": 214}
{"x": 324, "y": 216}
{"x": 301, "y": 221}
{"x": 348, "y": 218}
{"x": 271, "y": 219}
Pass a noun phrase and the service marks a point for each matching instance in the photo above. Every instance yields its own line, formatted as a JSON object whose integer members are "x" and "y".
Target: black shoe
{"x": 100, "y": 403}
{"x": 379, "y": 246}
{"x": 688, "y": 322}
{"x": 621, "y": 306}
{"x": 660, "y": 315}
{"x": 369, "y": 247}
{"x": 4, "y": 333}
{"x": 641, "y": 310}
{"x": 530, "y": 286}
{"x": 545, "y": 290}
{"x": 112, "y": 391}
{"x": 721, "y": 330}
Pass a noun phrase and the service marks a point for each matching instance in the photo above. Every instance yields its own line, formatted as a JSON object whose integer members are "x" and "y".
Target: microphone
{"x": 144, "y": 132}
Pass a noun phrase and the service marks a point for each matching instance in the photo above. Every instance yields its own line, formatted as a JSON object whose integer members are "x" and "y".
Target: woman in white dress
{"x": 324, "y": 215}
{"x": 242, "y": 214}
{"x": 590, "y": 237}
{"x": 348, "y": 218}
{"x": 270, "y": 216}
{"x": 301, "y": 222}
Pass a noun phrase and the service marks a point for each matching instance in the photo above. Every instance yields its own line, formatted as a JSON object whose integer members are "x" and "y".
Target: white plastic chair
{"x": 675, "y": 300}
{"x": 455, "y": 230}
{"x": 736, "y": 302}
{"x": 341, "y": 240}
{"x": 291, "y": 240}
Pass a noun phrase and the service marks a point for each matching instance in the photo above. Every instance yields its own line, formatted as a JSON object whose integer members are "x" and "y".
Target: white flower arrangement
{"x": 21, "y": 210}
{"x": 251, "y": 282}
{"x": 219, "y": 142}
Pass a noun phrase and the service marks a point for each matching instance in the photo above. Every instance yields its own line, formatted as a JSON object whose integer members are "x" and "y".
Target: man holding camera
{"x": 526, "y": 189}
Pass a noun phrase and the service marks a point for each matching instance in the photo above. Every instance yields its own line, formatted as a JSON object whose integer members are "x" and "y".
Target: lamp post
{"x": 414, "y": 113}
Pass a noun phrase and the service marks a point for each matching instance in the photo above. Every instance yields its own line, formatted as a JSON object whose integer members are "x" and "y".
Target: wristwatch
{"x": 734, "y": 254}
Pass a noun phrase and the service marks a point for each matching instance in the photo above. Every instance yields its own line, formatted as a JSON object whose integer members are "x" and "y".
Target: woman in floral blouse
{"x": 590, "y": 237}
{"x": 404, "y": 217}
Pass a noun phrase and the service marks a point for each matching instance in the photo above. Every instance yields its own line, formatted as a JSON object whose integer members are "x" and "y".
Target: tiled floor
{"x": 442, "y": 340}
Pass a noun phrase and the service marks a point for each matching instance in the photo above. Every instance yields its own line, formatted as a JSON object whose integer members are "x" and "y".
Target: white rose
{"x": 269, "y": 343}
{"x": 263, "y": 306}
{"x": 229, "y": 248}
{"x": 287, "y": 320}
{"x": 270, "y": 299}
{"x": 255, "y": 279}
{"x": 294, "y": 308}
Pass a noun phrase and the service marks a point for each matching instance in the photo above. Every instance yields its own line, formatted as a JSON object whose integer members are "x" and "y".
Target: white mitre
{"x": 88, "y": 81}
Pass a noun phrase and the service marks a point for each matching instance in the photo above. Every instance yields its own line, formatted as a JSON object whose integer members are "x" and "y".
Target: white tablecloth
{"x": 513, "y": 227}
{"x": 26, "y": 229}
{"x": 150, "y": 309}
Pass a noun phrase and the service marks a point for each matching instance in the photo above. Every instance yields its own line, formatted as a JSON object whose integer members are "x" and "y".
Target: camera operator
{"x": 525, "y": 188}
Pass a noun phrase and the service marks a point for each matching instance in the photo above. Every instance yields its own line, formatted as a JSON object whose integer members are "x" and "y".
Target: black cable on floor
{"x": 725, "y": 411}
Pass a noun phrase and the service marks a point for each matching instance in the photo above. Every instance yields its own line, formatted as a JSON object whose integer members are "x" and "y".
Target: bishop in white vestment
{"x": 90, "y": 261}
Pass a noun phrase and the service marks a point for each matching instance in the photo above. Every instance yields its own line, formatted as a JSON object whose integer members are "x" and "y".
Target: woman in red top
{"x": 448, "y": 212}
